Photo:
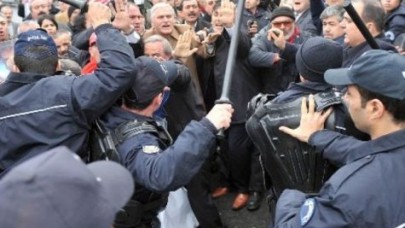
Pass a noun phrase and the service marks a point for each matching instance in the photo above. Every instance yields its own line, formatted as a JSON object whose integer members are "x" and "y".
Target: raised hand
{"x": 311, "y": 121}
{"x": 277, "y": 36}
{"x": 183, "y": 46}
{"x": 227, "y": 13}
{"x": 98, "y": 14}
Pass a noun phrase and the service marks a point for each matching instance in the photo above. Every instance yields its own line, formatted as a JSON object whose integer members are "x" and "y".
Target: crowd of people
{"x": 150, "y": 74}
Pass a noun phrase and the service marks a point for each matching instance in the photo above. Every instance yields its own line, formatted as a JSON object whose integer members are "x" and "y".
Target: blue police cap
{"x": 378, "y": 71}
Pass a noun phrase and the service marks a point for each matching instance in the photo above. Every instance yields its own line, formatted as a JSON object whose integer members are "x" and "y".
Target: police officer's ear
{"x": 376, "y": 109}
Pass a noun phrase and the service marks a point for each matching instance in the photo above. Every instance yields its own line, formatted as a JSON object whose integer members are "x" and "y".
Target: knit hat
{"x": 316, "y": 55}
{"x": 282, "y": 11}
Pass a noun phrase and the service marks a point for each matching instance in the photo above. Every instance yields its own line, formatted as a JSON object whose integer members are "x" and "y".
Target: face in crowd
{"x": 156, "y": 50}
{"x": 163, "y": 20}
{"x": 285, "y": 24}
{"x": 7, "y": 12}
{"x": 390, "y": 5}
{"x": 300, "y": 6}
{"x": 38, "y": 8}
{"x": 49, "y": 26}
{"x": 252, "y": 5}
{"x": 190, "y": 11}
{"x": 136, "y": 18}
{"x": 209, "y": 7}
{"x": 63, "y": 42}
{"x": 216, "y": 23}
{"x": 3, "y": 29}
{"x": 353, "y": 36}
{"x": 331, "y": 28}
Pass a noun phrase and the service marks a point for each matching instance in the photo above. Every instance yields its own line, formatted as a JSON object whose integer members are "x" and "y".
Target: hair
{"x": 180, "y": 6}
{"x": 130, "y": 101}
{"x": 45, "y": 66}
{"x": 60, "y": 33}
{"x": 49, "y": 17}
{"x": 4, "y": 17}
{"x": 332, "y": 11}
{"x": 160, "y": 5}
{"x": 372, "y": 12}
{"x": 167, "y": 47}
{"x": 26, "y": 26}
{"x": 70, "y": 11}
{"x": 394, "y": 106}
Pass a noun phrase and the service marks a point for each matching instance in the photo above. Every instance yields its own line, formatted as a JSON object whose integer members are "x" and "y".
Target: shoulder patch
{"x": 307, "y": 210}
{"x": 152, "y": 149}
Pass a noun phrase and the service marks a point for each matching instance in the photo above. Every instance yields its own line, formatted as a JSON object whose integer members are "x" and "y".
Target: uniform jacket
{"x": 41, "y": 112}
{"x": 367, "y": 191}
{"x": 158, "y": 169}
{"x": 395, "y": 23}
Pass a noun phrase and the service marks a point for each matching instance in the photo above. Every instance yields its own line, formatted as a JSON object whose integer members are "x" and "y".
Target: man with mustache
{"x": 190, "y": 12}
{"x": 37, "y": 8}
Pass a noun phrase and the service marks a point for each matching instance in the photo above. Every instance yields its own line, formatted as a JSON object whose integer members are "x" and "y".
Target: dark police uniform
{"x": 154, "y": 167}
{"x": 39, "y": 112}
{"x": 355, "y": 196}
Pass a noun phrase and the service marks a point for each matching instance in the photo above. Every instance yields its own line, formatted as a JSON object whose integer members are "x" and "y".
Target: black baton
{"x": 230, "y": 62}
{"x": 360, "y": 25}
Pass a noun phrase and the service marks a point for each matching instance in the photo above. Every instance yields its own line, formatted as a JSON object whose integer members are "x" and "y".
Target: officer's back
{"x": 39, "y": 112}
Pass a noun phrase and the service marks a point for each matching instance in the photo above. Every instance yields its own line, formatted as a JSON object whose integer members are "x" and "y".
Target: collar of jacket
{"x": 25, "y": 78}
{"x": 386, "y": 143}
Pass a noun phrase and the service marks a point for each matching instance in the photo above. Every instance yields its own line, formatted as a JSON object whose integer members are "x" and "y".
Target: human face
{"x": 209, "y": 7}
{"x": 63, "y": 43}
{"x": 216, "y": 22}
{"x": 352, "y": 100}
{"x": 49, "y": 26}
{"x": 155, "y": 50}
{"x": 163, "y": 21}
{"x": 136, "y": 18}
{"x": 251, "y": 5}
{"x": 7, "y": 12}
{"x": 300, "y": 5}
{"x": 334, "y": 2}
{"x": 3, "y": 29}
{"x": 285, "y": 24}
{"x": 390, "y": 5}
{"x": 353, "y": 36}
{"x": 74, "y": 15}
{"x": 190, "y": 11}
{"x": 38, "y": 8}
{"x": 331, "y": 28}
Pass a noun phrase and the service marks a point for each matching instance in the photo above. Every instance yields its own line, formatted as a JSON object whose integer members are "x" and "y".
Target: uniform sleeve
{"x": 335, "y": 147}
{"x": 93, "y": 94}
{"x": 167, "y": 170}
{"x": 259, "y": 55}
{"x": 293, "y": 210}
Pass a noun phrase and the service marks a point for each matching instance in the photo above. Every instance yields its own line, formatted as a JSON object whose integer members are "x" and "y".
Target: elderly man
{"x": 7, "y": 11}
{"x": 273, "y": 50}
{"x": 163, "y": 17}
{"x": 37, "y": 8}
{"x": 303, "y": 17}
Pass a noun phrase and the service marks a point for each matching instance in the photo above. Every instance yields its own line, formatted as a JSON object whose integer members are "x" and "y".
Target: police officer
{"x": 39, "y": 112}
{"x": 367, "y": 191}
{"x": 145, "y": 147}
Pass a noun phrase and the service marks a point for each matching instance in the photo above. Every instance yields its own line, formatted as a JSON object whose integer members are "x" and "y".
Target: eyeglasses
{"x": 278, "y": 24}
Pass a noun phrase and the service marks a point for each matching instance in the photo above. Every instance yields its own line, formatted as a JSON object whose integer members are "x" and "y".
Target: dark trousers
{"x": 201, "y": 202}
{"x": 243, "y": 160}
